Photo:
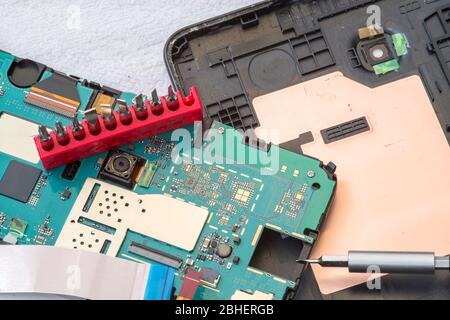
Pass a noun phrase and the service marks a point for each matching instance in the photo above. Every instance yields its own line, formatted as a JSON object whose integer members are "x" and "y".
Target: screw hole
{"x": 316, "y": 186}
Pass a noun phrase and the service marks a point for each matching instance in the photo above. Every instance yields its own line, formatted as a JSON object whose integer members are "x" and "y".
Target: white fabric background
{"x": 118, "y": 43}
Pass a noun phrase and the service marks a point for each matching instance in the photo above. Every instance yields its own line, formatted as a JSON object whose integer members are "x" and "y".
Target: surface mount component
{"x": 210, "y": 277}
{"x": 101, "y": 99}
{"x": 57, "y": 94}
{"x": 18, "y": 227}
{"x": 19, "y": 180}
{"x": 224, "y": 250}
{"x": 147, "y": 175}
{"x": 121, "y": 168}
{"x": 155, "y": 255}
{"x": 98, "y": 138}
{"x": 70, "y": 170}
{"x": 257, "y": 295}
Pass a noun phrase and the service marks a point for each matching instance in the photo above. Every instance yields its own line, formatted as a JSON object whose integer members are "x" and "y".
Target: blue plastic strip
{"x": 159, "y": 283}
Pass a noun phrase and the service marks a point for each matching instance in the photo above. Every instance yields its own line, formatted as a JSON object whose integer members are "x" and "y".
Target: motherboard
{"x": 223, "y": 226}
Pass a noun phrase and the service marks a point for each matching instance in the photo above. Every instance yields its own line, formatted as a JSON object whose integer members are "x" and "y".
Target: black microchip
{"x": 19, "y": 181}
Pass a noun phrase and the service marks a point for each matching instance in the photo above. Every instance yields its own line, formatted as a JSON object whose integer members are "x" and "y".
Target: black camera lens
{"x": 121, "y": 164}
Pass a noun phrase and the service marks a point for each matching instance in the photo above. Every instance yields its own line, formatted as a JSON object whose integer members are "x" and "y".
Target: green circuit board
{"x": 242, "y": 203}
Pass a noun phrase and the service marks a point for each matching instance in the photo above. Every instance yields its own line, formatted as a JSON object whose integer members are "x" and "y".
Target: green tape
{"x": 386, "y": 67}
{"x": 400, "y": 44}
{"x": 147, "y": 175}
{"x": 18, "y": 227}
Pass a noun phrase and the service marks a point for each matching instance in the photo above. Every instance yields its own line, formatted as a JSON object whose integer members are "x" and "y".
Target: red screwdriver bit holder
{"x": 189, "y": 110}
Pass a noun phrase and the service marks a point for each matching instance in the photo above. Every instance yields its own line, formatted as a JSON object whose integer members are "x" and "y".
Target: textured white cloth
{"x": 118, "y": 43}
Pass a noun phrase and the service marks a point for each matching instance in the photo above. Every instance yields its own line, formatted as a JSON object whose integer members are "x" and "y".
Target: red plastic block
{"x": 189, "y": 110}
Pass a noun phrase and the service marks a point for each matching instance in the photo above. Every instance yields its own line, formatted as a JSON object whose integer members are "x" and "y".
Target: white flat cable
{"x": 53, "y": 270}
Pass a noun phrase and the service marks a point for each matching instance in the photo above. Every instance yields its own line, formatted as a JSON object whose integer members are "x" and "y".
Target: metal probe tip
{"x": 311, "y": 261}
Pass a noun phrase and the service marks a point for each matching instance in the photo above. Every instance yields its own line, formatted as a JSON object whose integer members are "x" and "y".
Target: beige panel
{"x": 16, "y": 138}
{"x": 157, "y": 216}
{"x": 393, "y": 185}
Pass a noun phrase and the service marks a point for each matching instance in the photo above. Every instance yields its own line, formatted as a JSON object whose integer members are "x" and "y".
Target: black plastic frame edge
{"x": 214, "y": 21}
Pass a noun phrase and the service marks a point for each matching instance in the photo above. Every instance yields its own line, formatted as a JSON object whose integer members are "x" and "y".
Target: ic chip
{"x": 19, "y": 181}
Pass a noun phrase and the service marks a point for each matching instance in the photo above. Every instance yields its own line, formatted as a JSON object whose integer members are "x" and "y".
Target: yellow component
{"x": 100, "y": 101}
{"x": 370, "y": 32}
{"x": 52, "y": 102}
{"x": 298, "y": 235}
{"x": 299, "y": 197}
{"x": 272, "y": 226}
{"x": 242, "y": 195}
{"x": 256, "y": 236}
{"x": 257, "y": 295}
{"x": 255, "y": 271}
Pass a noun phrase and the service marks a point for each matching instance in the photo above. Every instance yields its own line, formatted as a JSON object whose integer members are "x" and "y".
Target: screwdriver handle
{"x": 391, "y": 262}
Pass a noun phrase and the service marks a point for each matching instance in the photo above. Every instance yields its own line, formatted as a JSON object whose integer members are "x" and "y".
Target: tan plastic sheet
{"x": 393, "y": 188}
